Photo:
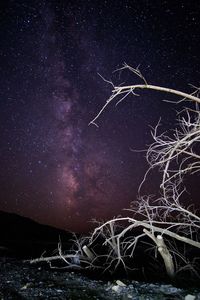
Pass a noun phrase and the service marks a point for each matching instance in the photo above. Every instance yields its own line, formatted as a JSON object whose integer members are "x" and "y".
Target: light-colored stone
{"x": 120, "y": 283}
{"x": 117, "y": 288}
{"x": 190, "y": 297}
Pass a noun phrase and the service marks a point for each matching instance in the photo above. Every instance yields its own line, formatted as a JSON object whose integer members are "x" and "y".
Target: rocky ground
{"x": 19, "y": 280}
{"x": 22, "y": 239}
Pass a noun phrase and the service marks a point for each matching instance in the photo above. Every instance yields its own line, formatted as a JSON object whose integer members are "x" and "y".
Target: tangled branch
{"x": 163, "y": 221}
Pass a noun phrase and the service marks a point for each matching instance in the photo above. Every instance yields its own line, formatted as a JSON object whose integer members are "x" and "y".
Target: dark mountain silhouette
{"x": 23, "y": 237}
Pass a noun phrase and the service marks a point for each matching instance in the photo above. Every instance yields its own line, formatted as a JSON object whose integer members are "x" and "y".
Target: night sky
{"x": 55, "y": 168}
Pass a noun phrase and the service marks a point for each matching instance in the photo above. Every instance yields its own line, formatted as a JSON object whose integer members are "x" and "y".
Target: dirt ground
{"x": 19, "y": 280}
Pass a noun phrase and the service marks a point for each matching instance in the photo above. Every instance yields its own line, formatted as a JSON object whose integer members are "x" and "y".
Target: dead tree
{"x": 174, "y": 154}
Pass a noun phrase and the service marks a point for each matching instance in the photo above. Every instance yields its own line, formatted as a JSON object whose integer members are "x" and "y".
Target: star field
{"x": 55, "y": 168}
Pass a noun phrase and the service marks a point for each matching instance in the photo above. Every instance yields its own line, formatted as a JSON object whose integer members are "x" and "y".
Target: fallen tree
{"x": 163, "y": 223}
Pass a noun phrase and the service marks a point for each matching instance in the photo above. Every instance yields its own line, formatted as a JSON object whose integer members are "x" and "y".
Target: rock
{"x": 120, "y": 283}
{"x": 190, "y": 297}
{"x": 117, "y": 288}
{"x": 27, "y": 285}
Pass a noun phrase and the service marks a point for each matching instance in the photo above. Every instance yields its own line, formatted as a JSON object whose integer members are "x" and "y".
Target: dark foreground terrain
{"x": 20, "y": 280}
{"x": 22, "y": 239}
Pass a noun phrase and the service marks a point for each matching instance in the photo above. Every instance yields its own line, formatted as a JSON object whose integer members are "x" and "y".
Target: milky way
{"x": 57, "y": 169}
